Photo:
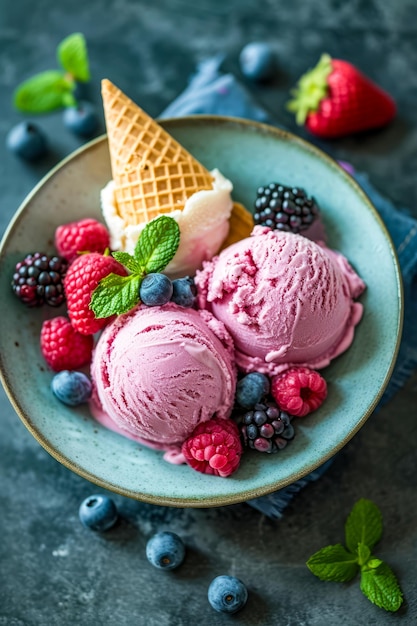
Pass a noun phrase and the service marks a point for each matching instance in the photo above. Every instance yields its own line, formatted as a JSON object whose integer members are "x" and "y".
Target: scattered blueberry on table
{"x": 82, "y": 119}
{"x": 227, "y": 594}
{"x": 71, "y": 387}
{"x": 98, "y": 512}
{"x": 165, "y": 550}
{"x": 257, "y": 61}
{"x": 27, "y": 141}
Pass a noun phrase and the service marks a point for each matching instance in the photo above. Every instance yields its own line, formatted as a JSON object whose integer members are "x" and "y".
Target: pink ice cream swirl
{"x": 284, "y": 299}
{"x": 159, "y": 371}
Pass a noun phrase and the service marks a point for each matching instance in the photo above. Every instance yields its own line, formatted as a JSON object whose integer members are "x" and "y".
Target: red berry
{"x": 299, "y": 390}
{"x": 83, "y": 276}
{"x": 214, "y": 447}
{"x": 63, "y": 348}
{"x": 335, "y": 99}
{"x": 86, "y": 235}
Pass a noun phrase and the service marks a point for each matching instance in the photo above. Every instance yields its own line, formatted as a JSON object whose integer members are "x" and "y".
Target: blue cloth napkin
{"x": 212, "y": 92}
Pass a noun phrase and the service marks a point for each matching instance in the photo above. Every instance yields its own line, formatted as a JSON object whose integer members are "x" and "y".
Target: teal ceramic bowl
{"x": 249, "y": 154}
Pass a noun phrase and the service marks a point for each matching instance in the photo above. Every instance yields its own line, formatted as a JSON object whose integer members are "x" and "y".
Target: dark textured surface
{"x": 52, "y": 570}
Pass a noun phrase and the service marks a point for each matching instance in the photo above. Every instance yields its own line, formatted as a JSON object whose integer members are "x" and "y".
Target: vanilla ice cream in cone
{"x": 154, "y": 175}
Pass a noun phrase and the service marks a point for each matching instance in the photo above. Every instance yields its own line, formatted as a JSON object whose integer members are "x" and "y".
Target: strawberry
{"x": 87, "y": 235}
{"x": 335, "y": 99}
{"x": 82, "y": 277}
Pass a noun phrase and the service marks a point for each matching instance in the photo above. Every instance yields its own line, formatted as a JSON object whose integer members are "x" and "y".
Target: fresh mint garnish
{"x": 156, "y": 246}
{"x": 54, "y": 89}
{"x": 72, "y": 56}
{"x": 334, "y": 563}
{"x": 43, "y": 93}
{"x": 363, "y": 530}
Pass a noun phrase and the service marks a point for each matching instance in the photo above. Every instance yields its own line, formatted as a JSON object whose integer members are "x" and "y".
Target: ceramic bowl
{"x": 249, "y": 154}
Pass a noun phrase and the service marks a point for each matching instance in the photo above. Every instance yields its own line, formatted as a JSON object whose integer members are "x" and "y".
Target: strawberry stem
{"x": 310, "y": 90}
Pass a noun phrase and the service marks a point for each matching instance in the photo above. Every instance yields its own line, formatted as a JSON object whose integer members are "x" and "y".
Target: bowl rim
{"x": 213, "y": 501}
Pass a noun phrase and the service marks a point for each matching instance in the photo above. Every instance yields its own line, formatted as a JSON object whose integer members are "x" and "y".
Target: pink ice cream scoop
{"x": 159, "y": 371}
{"x": 284, "y": 299}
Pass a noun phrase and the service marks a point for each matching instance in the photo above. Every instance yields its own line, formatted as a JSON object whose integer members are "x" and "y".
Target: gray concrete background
{"x": 53, "y": 572}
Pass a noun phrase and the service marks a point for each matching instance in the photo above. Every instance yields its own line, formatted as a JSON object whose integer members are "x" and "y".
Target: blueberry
{"x": 257, "y": 61}
{"x": 71, "y": 388}
{"x": 98, "y": 512}
{"x": 227, "y": 594}
{"x": 251, "y": 389}
{"x": 27, "y": 141}
{"x": 183, "y": 291}
{"x": 165, "y": 550}
{"x": 155, "y": 289}
{"x": 81, "y": 119}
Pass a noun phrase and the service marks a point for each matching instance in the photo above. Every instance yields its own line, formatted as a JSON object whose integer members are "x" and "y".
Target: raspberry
{"x": 214, "y": 447}
{"x": 83, "y": 276}
{"x": 284, "y": 208}
{"x": 266, "y": 428}
{"x": 63, "y": 348}
{"x": 38, "y": 280}
{"x": 86, "y": 235}
{"x": 299, "y": 390}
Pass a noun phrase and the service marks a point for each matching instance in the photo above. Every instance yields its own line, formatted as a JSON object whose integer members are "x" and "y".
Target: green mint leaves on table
{"x": 363, "y": 530}
{"x": 156, "y": 246}
{"x": 54, "y": 89}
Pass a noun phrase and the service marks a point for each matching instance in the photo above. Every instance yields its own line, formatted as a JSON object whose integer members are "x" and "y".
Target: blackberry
{"x": 284, "y": 208}
{"x": 39, "y": 279}
{"x": 266, "y": 428}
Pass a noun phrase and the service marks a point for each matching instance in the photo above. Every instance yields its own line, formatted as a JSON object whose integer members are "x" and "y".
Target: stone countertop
{"x": 53, "y": 571}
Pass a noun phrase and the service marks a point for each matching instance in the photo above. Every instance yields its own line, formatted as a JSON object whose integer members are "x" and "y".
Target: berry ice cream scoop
{"x": 284, "y": 299}
{"x": 160, "y": 371}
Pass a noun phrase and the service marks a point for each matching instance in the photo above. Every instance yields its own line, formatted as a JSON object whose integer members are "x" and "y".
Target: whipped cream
{"x": 203, "y": 224}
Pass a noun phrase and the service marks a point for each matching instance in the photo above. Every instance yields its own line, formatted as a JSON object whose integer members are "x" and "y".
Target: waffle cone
{"x": 241, "y": 225}
{"x": 152, "y": 173}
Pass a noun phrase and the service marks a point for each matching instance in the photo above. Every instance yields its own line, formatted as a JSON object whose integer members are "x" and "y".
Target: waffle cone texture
{"x": 153, "y": 174}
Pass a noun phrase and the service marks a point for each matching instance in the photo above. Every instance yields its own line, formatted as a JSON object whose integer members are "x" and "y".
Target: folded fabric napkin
{"x": 212, "y": 92}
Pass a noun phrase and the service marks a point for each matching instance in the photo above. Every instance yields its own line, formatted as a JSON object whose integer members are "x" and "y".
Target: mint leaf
{"x": 115, "y": 295}
{"x": 128, "y": 261}
{"x": 364, "y": 525}
{"x": 43, "y": 92}
{"x": 72, "y": 55}
{"x": 157, "y": 244}
{"x": 380, "y": 586}
{"x": 333, "y": 563}
{"x": 363, "y": 553}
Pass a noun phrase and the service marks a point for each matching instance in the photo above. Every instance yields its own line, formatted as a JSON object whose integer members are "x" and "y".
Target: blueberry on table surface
{"x": 155, "y": 289}
{"x": 27, "y": 141}
{"x": 82, "y": 119}
{"x": 257, "y": 61}
{"x": 227, "y": 594}
{"x": 98, "y": 512}
{"x": 165, "y": 550}
{"x": 71, "y": 387}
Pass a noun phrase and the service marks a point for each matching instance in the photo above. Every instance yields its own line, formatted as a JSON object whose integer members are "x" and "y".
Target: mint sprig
{"x": 363, "y": 529}
{"x": 72, "y": 56}
{"x": 156, "y": 246}
{"x": 54, "y": 89}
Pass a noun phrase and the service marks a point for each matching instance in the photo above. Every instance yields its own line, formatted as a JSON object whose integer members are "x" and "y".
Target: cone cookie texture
{"x": 152, "y": 173}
